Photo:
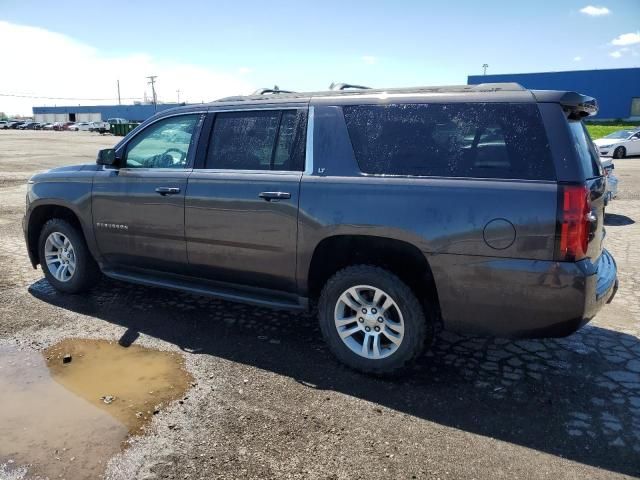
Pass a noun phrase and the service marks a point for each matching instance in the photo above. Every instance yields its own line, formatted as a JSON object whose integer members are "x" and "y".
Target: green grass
{"x": 599, "y": 130}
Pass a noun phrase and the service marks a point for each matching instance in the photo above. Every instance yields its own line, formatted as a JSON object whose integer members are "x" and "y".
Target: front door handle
{"x": 167, "y": 190}
{"x": 268, "y": 196}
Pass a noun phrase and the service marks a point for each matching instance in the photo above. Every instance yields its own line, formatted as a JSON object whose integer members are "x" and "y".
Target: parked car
{"x": 59, "y": 126}
{"x": 16, "y": 124}
{"x": 28, "y": 126}
{"x": 80, "y": 126}
{"x": 47, "y": 126}
{"x": 4, "y": 125}
{"x": 620, "y": 144}
{"x": 115, "y": 121}
{"x": 102, "y": 127}
{"x": 612, "y": 179}
{"x": 380, "y": 209}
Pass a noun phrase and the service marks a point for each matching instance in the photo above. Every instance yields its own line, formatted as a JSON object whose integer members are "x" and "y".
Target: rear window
{"x": 587, "y": 153}
{"x": 450, "y": 140}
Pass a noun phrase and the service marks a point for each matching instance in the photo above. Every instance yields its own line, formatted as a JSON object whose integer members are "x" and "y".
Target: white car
{"x": 80, "y": 126}
{"x": 619, "y": 144}
{"x": 102, "y": 127}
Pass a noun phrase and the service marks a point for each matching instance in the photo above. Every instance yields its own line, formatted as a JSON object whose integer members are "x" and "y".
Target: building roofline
{"x": 555, "y": 71}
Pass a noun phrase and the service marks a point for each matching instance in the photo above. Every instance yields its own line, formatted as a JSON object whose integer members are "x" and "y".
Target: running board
{"x": 232, "y": 293}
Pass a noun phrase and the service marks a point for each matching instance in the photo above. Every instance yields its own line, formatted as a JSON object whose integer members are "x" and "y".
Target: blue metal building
{"x": 617, "y": 90}
{"x": 95, "y": 113}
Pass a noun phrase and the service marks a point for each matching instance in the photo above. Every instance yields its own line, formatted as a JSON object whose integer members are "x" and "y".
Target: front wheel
{"x": 371, "y": 320}
{"x": 65, "y": 258}
{"x": 619, "y": 152}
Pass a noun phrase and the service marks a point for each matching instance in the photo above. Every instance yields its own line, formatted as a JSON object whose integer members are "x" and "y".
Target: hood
{"x": 61, "y": 172}
{"x": 607, "y": 141}
{"x": 74, "y": 168}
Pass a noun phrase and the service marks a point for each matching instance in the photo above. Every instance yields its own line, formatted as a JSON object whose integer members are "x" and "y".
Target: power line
{"x": 16, "y": 95}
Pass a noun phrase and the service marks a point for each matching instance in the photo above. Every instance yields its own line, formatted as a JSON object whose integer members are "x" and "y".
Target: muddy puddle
{"x": 65, "y": 411}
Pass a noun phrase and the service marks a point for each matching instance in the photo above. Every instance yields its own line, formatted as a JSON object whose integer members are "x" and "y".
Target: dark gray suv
{"x": 476, "y": 208}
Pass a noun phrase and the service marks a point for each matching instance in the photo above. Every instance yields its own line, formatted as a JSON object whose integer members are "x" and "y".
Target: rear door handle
{"x": 268, "y": 196}
{"x": 167, "y": 190}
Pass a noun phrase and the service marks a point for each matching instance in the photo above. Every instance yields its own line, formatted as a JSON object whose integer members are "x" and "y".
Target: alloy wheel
{"x": 60, "y": 256}
{"x": 369, "y": 322}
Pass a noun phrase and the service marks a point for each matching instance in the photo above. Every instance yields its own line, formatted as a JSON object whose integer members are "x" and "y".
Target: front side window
{"x": 165, "y": 144}
{"x": 451, "y": 140}
{"x": 256, "y": 140}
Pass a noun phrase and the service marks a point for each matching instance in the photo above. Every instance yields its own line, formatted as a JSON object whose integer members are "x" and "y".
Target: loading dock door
{"x": 88, "y": 117}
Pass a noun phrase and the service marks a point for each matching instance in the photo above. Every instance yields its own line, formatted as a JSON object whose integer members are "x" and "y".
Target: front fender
{"x": 45, "y": 197}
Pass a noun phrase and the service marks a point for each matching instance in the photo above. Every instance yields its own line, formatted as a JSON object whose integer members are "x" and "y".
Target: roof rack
{"x": 340, "y": 89}
{"x": 344, "y": 86}
{"x": 274, "y": 90}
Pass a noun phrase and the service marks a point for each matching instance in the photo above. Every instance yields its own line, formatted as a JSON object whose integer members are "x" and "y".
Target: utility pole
{"x": 178, "y": 92}
{"x": 119, "y": 102}
{"x": 484, "y": 68}
{"x": 152, "y": 82}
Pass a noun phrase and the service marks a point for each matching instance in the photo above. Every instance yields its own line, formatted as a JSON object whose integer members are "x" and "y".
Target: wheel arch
{"x": 38, "y": 216}
{"x": 402, "y": 258}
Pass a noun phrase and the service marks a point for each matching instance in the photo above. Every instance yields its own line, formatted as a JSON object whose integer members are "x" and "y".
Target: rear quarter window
{"x": 478, "y": 140}
{"x": 586, "y": 150}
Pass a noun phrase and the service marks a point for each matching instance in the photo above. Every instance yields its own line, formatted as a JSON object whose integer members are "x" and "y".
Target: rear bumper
{"x": 522, "y": 298}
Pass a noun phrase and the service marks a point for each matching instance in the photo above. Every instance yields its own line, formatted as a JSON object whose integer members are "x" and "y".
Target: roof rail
{"x": 345, "y": 86}
{"x": 275, "y": 89}
{"x": 495, "y": 87}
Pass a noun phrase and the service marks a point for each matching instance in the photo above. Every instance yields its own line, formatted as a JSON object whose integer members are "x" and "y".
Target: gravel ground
{"x": 269, "y": 401}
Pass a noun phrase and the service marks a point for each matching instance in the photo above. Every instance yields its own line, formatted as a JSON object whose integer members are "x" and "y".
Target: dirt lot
{"x": 268, "y": 400}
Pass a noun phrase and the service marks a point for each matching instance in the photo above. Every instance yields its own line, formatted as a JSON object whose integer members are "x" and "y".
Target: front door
{"x": 241, "y": 210}
{"x": 633, "y": 147}
{"x": 138, "y": 209}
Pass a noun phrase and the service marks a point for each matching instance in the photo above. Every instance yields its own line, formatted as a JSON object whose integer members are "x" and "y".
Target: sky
{"x": 71, "y": 52}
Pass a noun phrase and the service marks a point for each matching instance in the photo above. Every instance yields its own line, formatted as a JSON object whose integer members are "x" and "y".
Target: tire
{"x": 406, "y": 312}
{"x": 86, "y": 272}
{"x": 620, "y": 152}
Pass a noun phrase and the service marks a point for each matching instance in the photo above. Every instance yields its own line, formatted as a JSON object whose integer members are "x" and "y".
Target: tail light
{"x": 574, "y": 222}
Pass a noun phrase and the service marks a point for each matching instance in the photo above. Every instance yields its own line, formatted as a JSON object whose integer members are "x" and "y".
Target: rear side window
{"x": 256, "y": 140}
{"x": 450, "y": 140}
{"x": 587, "y": 152}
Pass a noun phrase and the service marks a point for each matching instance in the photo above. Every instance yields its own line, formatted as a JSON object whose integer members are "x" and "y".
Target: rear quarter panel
{"x": 439, "y": 216}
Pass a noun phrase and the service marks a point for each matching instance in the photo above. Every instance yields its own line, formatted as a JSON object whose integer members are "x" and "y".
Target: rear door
{"x": 241, "y": 206}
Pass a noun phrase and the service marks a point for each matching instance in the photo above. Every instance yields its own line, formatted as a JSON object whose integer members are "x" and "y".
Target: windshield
{"x": 619, "y": 134}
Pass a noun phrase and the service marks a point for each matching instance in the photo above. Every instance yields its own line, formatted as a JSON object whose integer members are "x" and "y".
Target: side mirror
{"x": 106, "y": 156}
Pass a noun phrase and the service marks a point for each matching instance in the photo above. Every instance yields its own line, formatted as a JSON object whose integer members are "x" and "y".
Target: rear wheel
{"x": 619, "y": 152}
{"x": 371, "y": 320}
{"x": 65, "y": 258}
